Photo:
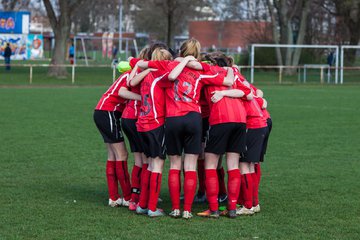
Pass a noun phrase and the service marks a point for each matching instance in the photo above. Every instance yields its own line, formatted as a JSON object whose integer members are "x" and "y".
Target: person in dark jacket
{"x": 7, "y": 55}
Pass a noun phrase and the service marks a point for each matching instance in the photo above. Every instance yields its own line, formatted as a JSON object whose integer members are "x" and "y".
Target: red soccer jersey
{"x": 111, "y": 101}
{"x": 184, "y": 96}
{"x": 227, "y": 109}
{"x": 152, "y": 110}
{"x": 205, "y": 109}
{"x": 132, "y": 108}
{"x": 255, "y": 117}
{"x": 260, "y": 101}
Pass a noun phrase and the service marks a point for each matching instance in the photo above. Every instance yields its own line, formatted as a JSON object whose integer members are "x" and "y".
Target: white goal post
{"x": 253, "y": 46}
{"x": 342, "y": 59}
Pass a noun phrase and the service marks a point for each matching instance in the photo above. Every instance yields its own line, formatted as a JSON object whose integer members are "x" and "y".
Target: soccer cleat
{"x": 187, "y": 215}
{"x": 223, "y": 212}
{"x": 244, "y": 211}
{"x": 175, "y": 213}
{"x": 231, "y": 214}
{"x": 125, "y": 203}
{"x": 256, "y": 209}
{"x": 140, "y": 210}
{"x": 222, "y": 198}
{"x": 132, "y": 206}
{"x": 209, "y": 214}
{"x": 157, "y": 213}
{"x": 200, "y": 198}
{"x": 116, "y": 203}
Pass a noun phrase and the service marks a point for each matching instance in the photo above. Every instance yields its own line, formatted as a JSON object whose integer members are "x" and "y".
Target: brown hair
{"x": 161, "y": 54}
{"x": 144, "y": 53}
{"x": 190, "y": 47}
{"x": 220, "y": 59}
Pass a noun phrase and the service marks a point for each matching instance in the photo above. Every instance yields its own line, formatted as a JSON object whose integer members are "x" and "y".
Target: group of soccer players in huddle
{"x": 195, "y": 109}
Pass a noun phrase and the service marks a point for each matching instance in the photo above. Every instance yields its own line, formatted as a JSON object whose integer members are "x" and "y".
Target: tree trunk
{"x": 170, "y": 13}
{"x": 275, "y": 32}
{"x": 302, "y": 32}
{"x": 353, "y": 23}
{"x": 61, "y": 37}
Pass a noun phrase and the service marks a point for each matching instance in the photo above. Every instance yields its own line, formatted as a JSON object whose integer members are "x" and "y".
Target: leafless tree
{"x": 60, "y": 20}
{"x": 14, "y": 5}
{"x": 166, "y": 18}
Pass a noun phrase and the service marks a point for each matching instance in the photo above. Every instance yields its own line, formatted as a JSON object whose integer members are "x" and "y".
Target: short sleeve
{"x": 161, "y": 65}
{"x": 133, "y": 62}
{"x": 260, "y": 101}
{"x": 242, "y": 87}
{"x": 205, "y": 66}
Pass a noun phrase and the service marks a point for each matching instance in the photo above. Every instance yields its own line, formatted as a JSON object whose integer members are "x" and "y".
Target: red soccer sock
{"x": 122, "y": 174}
{"x": 255, "y": 189}
{"x": 155, "y": 186}
{"x": 190, "y": 183}
{"x": 135, "y": 183}
{"x": 201, "y": 176}
{"x": 112, "y": 180}
{"x": 174, "y": 188}
{"x": 234, "y": 179}
{"x": 221, "y": 177}
{"x": 144, "y": 191}
{"x": 247, "y": 188}
{"x": 212, "y": 188}
{"x": 258, "y": 172}
{"x": 241, "y": 194}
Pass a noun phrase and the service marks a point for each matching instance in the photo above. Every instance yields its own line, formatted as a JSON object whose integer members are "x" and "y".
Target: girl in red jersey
{"x": 256, "y": 131}
{"x": 107, "y": 119}
{"x": 128, "y": 124}
{"x": 257, "y": 168}
{"x": 150, "y": 125}
{"x": 226, "y": 135}
{"x": 183, "y": 122}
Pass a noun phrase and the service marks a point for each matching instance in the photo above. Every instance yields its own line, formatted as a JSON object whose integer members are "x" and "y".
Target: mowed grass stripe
{"x": 51, "y": 154}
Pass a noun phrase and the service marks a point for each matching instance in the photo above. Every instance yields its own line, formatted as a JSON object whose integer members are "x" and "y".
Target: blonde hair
{"x": 161, "y": 54}
{"x": 144, "y": 53}
{"x": 190, "y": 47}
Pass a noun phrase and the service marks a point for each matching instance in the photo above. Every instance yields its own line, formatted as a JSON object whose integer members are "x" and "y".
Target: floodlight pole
{"x": 120, "y": 24}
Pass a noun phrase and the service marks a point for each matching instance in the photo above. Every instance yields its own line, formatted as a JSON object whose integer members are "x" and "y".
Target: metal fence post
{"x": 280, "y": 74}
{"x": 31, "y": 74}
{"x": 114, "y": 73}
{"x": 73, "y": 74}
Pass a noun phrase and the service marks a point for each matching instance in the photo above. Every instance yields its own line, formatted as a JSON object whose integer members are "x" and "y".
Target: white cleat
{"x": 256, "y": 209}
{"x": 175, "y": 213}
{"x": 116, "y": 203}
{"x": 244, "y": 211}
{"x": 125, "y": 203}
{"x": 187, "y": 215}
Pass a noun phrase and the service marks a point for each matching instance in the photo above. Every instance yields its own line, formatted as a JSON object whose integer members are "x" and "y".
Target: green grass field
{"x": 53, "y": 186}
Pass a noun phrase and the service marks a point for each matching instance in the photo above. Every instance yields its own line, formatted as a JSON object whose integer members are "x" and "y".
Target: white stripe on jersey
{"x": 152, "y": 94}
{"x": 198, "y": 80}
{"x": 111, "y": 125}
{"x": 115, "y": 87}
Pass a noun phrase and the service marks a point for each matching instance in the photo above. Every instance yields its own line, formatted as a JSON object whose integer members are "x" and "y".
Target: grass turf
{"x": 52, "y": 161}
